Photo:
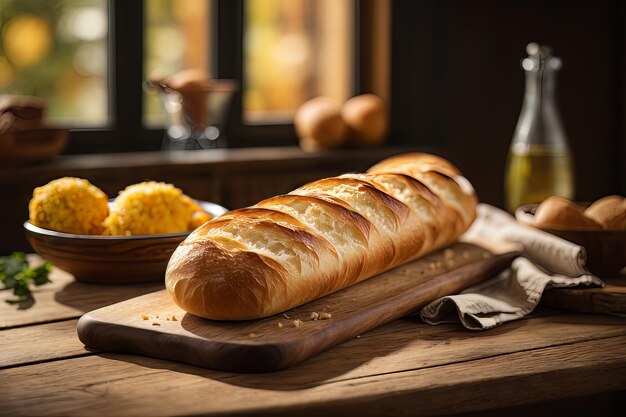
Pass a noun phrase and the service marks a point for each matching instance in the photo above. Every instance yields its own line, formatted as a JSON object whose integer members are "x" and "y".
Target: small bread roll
{"x": 560, "y": 213}
{"x": 190, "y": 80}
{"x": 194, "y": 86}
{"x": 366, "y": 118}
{"x": 609, "y": 212}
{"x": 319, "y": 124}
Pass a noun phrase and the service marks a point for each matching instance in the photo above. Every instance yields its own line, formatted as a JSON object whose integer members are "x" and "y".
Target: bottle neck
{"x": 540, "y": 88}
{"x": 539, "y": 125}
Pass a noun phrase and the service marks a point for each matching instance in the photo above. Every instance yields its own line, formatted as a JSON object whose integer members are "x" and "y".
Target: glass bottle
{"x": 539, "y": 162}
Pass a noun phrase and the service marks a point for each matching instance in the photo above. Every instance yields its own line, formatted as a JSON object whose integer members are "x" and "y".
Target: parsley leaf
{"x": 15, "y": 274}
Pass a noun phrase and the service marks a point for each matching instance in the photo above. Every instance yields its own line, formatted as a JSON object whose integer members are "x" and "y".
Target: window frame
{"x": 126, "y": 131}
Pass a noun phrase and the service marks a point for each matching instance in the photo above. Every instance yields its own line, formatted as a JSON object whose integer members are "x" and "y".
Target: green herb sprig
{"x": 15, "y": 274}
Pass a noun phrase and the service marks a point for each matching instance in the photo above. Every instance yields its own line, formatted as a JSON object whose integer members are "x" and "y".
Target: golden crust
{"x": 415, "y": 161}
{"x": 322, "y": 237}
{"x": 609, "y": 212}
{"x": 244, "y": 286}
{"x": 560, "y": 213}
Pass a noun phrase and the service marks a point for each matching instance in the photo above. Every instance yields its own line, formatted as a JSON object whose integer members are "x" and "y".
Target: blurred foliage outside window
{"x": 295, "y": 50}
{"x": 57, "y": 50}
{"x": 177, "y": 37}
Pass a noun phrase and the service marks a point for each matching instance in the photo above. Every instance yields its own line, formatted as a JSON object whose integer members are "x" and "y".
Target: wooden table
{"x": 404, "y": 368}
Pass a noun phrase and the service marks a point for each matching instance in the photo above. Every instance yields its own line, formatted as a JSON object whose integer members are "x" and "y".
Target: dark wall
{"x": 457, "y": 83}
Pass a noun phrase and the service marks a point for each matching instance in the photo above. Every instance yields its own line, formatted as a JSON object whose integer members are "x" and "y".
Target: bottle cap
{"x": 540, "y": 57}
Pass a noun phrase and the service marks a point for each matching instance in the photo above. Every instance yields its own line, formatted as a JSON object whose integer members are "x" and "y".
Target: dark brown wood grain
{"x": 110, "y": 260}
{"x": 390, "y": 374}
{"x": 402, "y": 368}
{"x": 609, "y": 300}
{"x": 284, "y": 340}
{"x": 38, "y": 343}
{"x": 64, "y": 298}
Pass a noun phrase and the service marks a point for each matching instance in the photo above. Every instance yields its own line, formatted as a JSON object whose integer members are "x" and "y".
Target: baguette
{"x": 324, "y": 236}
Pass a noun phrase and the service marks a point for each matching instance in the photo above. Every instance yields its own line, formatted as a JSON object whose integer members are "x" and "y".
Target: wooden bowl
{"x": 110, "y": 259}
{"x": 606, "y": 249}
{"x": 32, "y": 145}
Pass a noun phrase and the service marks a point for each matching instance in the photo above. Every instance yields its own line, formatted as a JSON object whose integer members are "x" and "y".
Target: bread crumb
{"x": 280, "y": 325}
{"x": 174, "y": 318}
{"x": 431, "y": 265}
{"x": 157, "y": 316}
{"x": 439, "y": 264}
{"x": 448, "y": 254}
{"x": 144, "y": 316}
{"x": 325, "y": 316}
{"x": 315, "y": 315}
{"x": 466, "y": 254}
{"x": 450, "y": 263}
{"x": 297, "y": 323}
{"x": 358, "y": 336}
{"x": 285, "y": 315}
{"x": 486, "y": 255}
{"x": 252, "y": 335}
{"x": 156, "y": 324}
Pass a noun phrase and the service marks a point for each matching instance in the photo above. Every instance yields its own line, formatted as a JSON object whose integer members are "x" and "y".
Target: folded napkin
{"x": 547, "y": 262}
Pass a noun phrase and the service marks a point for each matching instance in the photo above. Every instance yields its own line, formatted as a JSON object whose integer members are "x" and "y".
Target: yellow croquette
{"x": 70, "y": 205}
{"x": 152, "y": 208}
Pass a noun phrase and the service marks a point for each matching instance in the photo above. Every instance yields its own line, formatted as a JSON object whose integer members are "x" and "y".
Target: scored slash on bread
{"x": 320, "y": 238}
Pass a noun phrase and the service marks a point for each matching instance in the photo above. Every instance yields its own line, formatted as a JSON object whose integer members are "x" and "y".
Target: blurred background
{"x": 449, "y": 71}
{"x": 59, "y": 50}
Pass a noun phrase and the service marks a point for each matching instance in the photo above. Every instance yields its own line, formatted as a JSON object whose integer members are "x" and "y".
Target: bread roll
{"x": 609, "y": 212}
{"x": 322, "y": 237}
{"x": 366, "y": 118}
{"x": 319, "y": 124}
{"x": 194, "y": 86}
{"x": 562, "y": 214}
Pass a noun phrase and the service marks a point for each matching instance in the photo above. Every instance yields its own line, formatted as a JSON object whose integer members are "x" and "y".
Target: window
{"x": 90, "y": 58}
{"x": 57, "y": 50}
{"x": 176, "y": 37}
{"x": 294, "y": 50}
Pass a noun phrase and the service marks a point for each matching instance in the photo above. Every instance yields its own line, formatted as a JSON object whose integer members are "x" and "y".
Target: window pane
{"x": 295, "y": 50}
{"x": 176, "y": 38}
{"x": 57, "y": 50}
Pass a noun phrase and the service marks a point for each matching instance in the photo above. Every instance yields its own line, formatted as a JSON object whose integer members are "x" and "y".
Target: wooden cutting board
{"x": 153, "y": 325}
{"x": 609, "y": 300}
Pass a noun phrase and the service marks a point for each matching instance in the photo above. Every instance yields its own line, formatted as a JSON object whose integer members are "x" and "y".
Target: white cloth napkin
{"x": 547, "y": 262}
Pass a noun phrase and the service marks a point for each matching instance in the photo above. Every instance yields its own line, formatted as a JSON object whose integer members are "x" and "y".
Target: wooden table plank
{"x": 26, "y": 345}
{"x": 406, "y": 344}
{"x": 398, "y": 345}
{"x": 608, "y": 300}
{"x": 404, "y": 368}
{"x": 65, "y": 298}
{"x": 123, "y": 385}
{"x": 261, "y": 345}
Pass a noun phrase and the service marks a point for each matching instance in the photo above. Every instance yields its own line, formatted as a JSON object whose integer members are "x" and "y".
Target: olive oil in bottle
{"x": 537, "y": 173}
{"x": 539, "y": 162}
